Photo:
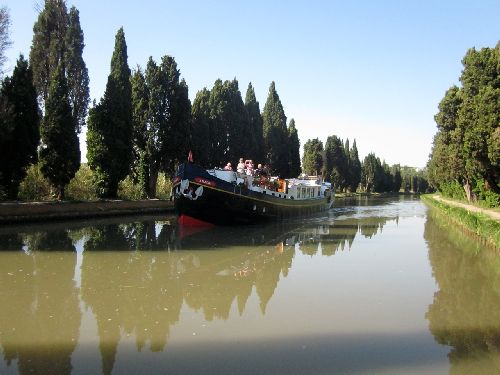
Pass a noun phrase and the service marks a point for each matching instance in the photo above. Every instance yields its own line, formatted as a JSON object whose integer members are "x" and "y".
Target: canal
{"x": 376, "y": 286}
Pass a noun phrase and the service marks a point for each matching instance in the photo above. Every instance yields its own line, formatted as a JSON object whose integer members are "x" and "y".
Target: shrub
{"x": 82, "y": 187}
{"x": 34, "y": 187}
{"x": 452, "y": 190}
{"x": 488, "y": 198}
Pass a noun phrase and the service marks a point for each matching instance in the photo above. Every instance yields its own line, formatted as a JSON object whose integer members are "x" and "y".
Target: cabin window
{"x": 319, "y": 193}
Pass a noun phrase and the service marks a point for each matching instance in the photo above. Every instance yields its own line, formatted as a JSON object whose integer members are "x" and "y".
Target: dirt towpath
{"x": 495, "y": 215}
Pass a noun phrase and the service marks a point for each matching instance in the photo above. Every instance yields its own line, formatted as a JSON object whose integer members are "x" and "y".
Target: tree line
{"x": 339, "y": 164}
{"x": 465, "y": 157}
{"x": 143, "y": 125}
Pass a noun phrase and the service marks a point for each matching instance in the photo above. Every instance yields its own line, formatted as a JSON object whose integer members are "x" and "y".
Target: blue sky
{"x": 373, "y": 71}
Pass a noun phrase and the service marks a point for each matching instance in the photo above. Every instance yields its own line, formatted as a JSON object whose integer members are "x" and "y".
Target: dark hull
{"x": 222, "y": 202}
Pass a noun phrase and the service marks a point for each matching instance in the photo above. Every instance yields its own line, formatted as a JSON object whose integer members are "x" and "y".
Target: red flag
{"x": 190, "y": 156}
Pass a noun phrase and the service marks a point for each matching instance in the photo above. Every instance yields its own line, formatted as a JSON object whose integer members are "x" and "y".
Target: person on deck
{"x": 228, "y": 167}
{"x": 240, "y": 168}
{"x": 249, "y": 165}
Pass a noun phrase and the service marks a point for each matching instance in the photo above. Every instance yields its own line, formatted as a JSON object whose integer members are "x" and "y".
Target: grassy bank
{"x": 486, "y": 228}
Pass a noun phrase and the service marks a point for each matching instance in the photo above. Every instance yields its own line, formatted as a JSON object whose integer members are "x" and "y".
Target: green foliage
{"x": 294, "y": 144}
{"x": 488, "y": 197}
{"x": 452, "y": 189}
{"x": 34, "y": 187}
{"x": 200, "y": 135}
{"x": 109, "y": 135}
{"x": 336, "y": 163}
{"x": 58, "y": 39}
{"x": 129, "y": 190}
{"x": 60, "y": 150}
{"x": 466, "y": 148}
{"x": 354, "y": 168}
{"x": 486, "y": 228}
{"x": 19, "y": 127}
{"x": 255, "y": 123}
{"x": 312, "y": 160}
{"x": 161, "y": 113}
{"x": 81, "y": 187}
{"x": 275, "y": 133}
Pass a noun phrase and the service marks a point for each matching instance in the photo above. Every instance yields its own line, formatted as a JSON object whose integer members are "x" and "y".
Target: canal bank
{"x": 17, "y": 212}
{"x": 482, "y": 222}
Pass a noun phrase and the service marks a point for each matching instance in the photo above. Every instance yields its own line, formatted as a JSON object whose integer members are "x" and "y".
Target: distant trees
{"x": 466, "y": 147}
{"x": 109, "y": 135}
{"x": 340, "y": 165}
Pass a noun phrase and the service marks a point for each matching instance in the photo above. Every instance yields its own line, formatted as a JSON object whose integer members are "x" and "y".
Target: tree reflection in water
{"x": 136, "y": 277}
{"x": 465, "y": 313}
{"x": 40, "y": 315}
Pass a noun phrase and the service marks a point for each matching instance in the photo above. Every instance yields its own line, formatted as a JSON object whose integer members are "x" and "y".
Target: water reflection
{"x": 138, "y": 278}
{"x": 40, "y": 316}
{"x": 465, "y": 313}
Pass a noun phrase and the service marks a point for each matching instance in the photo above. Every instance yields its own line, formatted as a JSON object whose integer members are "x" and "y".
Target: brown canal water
{"x": 376, "y": 286}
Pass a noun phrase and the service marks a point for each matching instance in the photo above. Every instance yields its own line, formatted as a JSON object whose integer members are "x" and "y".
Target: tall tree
{"x": 255, "y": 119}
{"x": 336, "y": 163}
{"x": 312, "y": 160}
{"x": 178, "y": 107}
{"x": 60, "y": 150}
{"x": 275, "y": 133}
{"x": 354, "y": 167}
{"x": 20, "y": 121}
{"x": 200, "y": 135}
{"x": 109, "y": 136}
{"x": 140, "y": 128}
{"x": 218, "y": 126}
{"x": 294, "y": 144}
{"x": 76, "y": 70}
{"x": 5, "y": 41}
{"x": 58, "y": 39}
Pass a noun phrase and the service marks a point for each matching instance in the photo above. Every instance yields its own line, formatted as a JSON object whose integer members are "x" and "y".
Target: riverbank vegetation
{"x": 486, "y": 228}
{"x": 465, "y": 158}
{"x": 145, "y": 125}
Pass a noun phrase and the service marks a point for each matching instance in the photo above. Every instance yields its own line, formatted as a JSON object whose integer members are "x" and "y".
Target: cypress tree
{"x": 20, "y": 123}
{"x": 312, "y": 161}
{"x": 241, "y": 139}
{"x": 200, "y": 135}
{"x": 76, "y": 70}
{"x": 336, "y": 162}
{"x": 218, "y": 126}
{"x": 58, "y": 39}
{"x": 140, "y": 126}
{"x": 109, "y": 136}
{"x": 60, "y": 150}
{"x": 255, "y": 123}
{"x": 275, "y": 133}
{"x": 294, "y": 144}
{"x": 354, "y": 167}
